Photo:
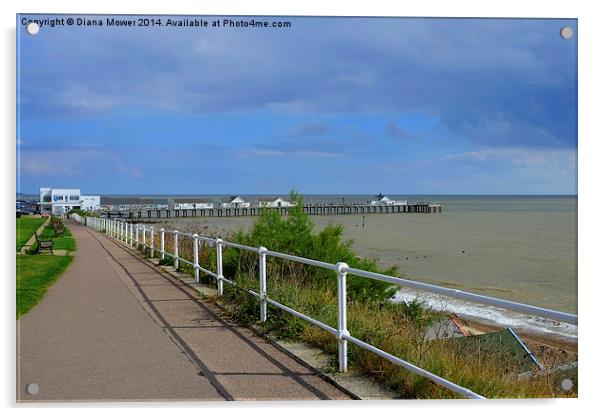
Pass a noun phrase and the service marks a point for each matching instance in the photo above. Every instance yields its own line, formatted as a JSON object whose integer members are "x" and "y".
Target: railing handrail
{"x": 442, "y": 290}
{"x": 470, "y": 296}
{"x": 119, "y": 229}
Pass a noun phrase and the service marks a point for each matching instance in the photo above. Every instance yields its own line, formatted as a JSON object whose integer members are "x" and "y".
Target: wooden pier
{"x": 311, "y": 209}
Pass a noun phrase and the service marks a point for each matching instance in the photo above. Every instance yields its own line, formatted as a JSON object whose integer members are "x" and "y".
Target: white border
{"x": 590, "y": 37}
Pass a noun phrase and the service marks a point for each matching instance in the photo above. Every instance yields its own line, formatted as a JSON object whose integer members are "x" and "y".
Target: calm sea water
{"x": 521, "y": 248}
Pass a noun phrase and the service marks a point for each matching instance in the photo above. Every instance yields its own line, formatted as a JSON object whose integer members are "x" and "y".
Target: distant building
{"x": 272, "y": 202}
{"x": 57, "y": 201}
{"x": 127, "y": 203}
{"x": 192, "y": 203}
{"x": 236, "y": 202}
{"x": 203, "y": 204}
{"x": 184, "y": 204}
{"x": 90, "y": 202}
{"x": 385, "y": 200}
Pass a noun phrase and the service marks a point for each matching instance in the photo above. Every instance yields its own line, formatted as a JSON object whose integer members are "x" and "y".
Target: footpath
{"x": 117, "y": 328}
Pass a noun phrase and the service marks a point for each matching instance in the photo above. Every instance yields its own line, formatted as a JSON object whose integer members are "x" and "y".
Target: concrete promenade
{"x": 116, "y": 328}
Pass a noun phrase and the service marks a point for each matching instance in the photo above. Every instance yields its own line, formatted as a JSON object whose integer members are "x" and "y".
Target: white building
{"x": 90, "y": 202}
{"x": 236, "y": 202}
{"x": 273, "y": 202}
{"x": 385, "y": 200}
{"x": 183, "y": 205}
{"x": 203, "y": 204}
{"x": 192, "y": 204}
{"x": 57, "y": 201}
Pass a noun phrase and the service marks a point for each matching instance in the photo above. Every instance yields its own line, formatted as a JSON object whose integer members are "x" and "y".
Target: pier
{"x": 311, "y": 209}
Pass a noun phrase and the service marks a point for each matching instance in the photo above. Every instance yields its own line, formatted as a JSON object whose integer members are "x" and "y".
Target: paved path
{"x": 114, "y": 327}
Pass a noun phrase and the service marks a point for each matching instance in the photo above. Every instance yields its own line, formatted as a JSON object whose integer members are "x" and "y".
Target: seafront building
{"x": 58, "y": 201}
{"x": 236, "y": 202}
{"x": 192, "y": 203}
{"x": 385, "y": 200}
{"x": 272, "y": 202}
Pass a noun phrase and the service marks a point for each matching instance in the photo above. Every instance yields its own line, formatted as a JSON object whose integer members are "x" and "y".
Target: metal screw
{"x": 566, "y": 32}
{"x": 566, "y": 384}
{"x": 32, "y": 388}
{"x": 32, "y": 28}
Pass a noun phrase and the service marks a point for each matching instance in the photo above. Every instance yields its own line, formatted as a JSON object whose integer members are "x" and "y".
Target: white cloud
{"x": 520, "y": 156}
{"x": 249, "y": 153}
{"x": 36, "y": 167}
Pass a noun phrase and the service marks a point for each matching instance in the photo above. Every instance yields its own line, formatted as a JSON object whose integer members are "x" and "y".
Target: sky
{"x": 327, "y": 106}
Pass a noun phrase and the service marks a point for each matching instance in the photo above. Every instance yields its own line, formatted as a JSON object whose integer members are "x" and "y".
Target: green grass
{"x": 64, "y": 242}
{"x": 34, "y": 275}
{"x": 25, "y": 228}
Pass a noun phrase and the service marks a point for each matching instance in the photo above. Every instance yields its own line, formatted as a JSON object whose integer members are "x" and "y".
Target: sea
{"x": 520, "y": 248}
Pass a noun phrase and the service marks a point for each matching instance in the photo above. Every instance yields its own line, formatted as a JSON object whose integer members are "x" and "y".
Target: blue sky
{"x": 330, "y": 105}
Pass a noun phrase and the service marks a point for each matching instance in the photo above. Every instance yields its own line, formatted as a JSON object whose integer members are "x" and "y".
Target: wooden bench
{"x": 43, "y": 245}
{"x": 59, "y": 229}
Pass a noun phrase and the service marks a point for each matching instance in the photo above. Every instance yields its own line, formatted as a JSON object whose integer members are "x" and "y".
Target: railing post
{"x": 162, "y": 243}
{"x": 263, "y": 306}
{"x": 152, "y": 242}
{"x": 195, "y": 251}
{"x": 219, "y": 267}
{"x": 144, "y": 239}
{"x": 176, "y": 259}
{"x": 342, "y": 314}
{"x": 131, "y": 234}
{"x": 137, "y": 236}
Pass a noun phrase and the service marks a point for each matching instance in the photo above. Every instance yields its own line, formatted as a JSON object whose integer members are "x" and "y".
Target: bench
{"x": 43, "y": 245}
{"x": 59, "y": 229}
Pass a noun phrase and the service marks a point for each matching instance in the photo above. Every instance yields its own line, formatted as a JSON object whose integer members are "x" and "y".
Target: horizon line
{"x": 312, "y": 194}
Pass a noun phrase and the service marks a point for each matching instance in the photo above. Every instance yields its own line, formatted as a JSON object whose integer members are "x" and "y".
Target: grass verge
{"x": 25, "y": 229}
{"x": 63, "y": 242}
{"x": 34, "y": 275}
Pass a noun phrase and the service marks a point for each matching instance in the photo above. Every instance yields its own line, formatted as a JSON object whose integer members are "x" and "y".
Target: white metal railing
{"x": 118, "y": 229}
